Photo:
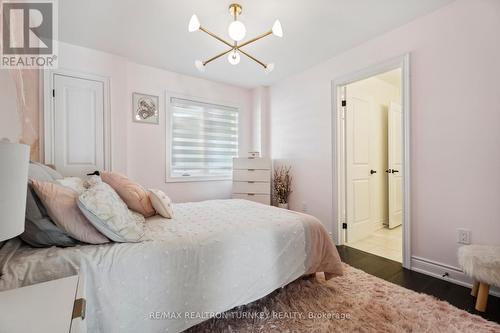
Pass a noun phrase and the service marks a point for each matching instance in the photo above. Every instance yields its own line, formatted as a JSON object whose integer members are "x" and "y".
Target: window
{"x": 203, "y": 140}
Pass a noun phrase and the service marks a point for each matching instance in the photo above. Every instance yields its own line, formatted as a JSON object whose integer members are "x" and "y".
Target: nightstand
{"x": 56, "y": 306}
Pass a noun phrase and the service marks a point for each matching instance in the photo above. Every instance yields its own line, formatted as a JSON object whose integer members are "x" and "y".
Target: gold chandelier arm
{"x": 215, "y": 36}
{"x": 217, "y": 56}
{"x": 251, "y": 57}
{"x": 256, "y": 38}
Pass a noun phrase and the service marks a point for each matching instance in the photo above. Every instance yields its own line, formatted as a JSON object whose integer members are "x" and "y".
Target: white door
{"x": 78, "y": 125}
{"x": 359, "y": 188}
{"x": 395, "y": 166}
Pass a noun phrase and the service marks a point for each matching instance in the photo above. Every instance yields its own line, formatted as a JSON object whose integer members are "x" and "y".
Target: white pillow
{"x": 104, "y": 208}
{"x": 74, "y": 183}
{"x": 161, "y": 203}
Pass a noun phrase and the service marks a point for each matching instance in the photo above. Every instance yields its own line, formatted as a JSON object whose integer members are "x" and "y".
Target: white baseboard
{"x": 437, "y": 270}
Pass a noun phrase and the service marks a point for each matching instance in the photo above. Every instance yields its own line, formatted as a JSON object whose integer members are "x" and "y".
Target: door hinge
{"x": 344, "y": 225}
{"x": 53, "y": 93}
{"x": 344, "y": 103}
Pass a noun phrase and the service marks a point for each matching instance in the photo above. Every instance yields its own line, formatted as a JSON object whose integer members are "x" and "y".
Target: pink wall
{"x": 146, "y": 143}
{"x": 455, "y": 125}
{"x": 138, "y": 150}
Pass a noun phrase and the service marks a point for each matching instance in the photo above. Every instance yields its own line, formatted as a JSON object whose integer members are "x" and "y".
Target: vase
{"x": 283, "y": 205}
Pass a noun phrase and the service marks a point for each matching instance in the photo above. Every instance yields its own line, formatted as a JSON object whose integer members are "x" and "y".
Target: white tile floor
{"x": 385, "y": 242}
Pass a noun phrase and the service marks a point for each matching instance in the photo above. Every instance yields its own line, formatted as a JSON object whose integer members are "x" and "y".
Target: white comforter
{"x": 211, "y": 257}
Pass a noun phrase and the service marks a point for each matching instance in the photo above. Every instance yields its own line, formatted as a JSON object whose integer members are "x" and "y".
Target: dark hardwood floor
{"x": 392, "y": 271}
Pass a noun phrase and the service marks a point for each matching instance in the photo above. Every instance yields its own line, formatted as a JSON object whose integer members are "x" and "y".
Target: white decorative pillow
{"x": 74, "y": 183}
{"x": 104, "y": 208}
{"x": 161, "y": 203}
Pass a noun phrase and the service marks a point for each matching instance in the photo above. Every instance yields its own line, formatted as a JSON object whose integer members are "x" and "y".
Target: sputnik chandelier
{"x": 237, "y": 32}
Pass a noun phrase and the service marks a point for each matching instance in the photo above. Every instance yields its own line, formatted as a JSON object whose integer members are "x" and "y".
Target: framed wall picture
{"x": 145, "y": 108}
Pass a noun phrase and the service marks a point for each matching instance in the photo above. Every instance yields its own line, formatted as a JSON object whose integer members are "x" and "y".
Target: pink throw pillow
{"x": 133, "y": 194}
{"x": 61, "y": 206}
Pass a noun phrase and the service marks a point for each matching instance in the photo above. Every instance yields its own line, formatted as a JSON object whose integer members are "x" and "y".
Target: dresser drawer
{"x": 251, "y": 175}
{"x": 252, "y": 187}
{"x": 252, "y": 163}
{"x": 260, "y": 198}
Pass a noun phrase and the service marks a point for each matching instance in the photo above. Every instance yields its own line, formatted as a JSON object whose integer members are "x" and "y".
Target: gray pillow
{"x": 39, "y": 230}
{"x": 43, "y": 173}
{"x": 35, "y": 171}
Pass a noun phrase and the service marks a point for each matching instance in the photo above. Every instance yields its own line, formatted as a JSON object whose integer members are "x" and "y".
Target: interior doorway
{"x": 372, "y": 161}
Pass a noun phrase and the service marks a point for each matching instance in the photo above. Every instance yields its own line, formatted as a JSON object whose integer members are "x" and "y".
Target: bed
{"x": 211, "y": 257}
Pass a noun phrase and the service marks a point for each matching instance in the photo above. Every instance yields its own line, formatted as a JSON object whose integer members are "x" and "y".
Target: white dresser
{"x": 252, "y": 179}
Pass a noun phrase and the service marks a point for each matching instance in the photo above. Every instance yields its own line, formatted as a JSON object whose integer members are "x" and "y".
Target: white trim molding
{"x": 338, "y": 146}
{"x": 445, "y": 272}
{"x": 48, "y": 113}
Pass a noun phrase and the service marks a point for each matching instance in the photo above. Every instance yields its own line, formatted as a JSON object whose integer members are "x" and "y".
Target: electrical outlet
{"x": 304, "y": 207}
{"x": 463, "y": 236}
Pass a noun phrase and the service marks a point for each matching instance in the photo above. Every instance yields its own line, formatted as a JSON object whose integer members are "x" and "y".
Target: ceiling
{"x": 154, "y": 32}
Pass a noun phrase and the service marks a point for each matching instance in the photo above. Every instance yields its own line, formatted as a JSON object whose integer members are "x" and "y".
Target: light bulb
{"x": 194, "y": 24}
{"x": 277, "y": 29}
{"x": 199, "y": 65}
{"x": 233, "y": 57}
{"x": 237, "y": 31}
{"x": 269, "y": 68}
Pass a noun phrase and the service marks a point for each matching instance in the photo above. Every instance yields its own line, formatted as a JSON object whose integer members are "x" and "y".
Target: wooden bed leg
{"x": 475, "y": 287}
{"x": 482, "y": 297}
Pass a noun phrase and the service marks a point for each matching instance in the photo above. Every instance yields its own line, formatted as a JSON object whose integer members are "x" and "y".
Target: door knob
{"x": 395, "y": 171}
{"x": 388, "y": 170}
{"x": 372, "y": 172}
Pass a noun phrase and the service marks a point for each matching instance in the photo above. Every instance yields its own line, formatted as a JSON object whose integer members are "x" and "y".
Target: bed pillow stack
{"x": 65, "y": 211}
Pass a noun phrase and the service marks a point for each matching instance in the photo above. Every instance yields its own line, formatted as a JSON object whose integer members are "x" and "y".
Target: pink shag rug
{"x": 355, "y": 302}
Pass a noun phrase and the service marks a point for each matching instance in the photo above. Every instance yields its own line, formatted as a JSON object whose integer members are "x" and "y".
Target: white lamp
{"x": 233, "y": 57}
{"x": 237, "y": 31}
{"x": 14, "y": 162}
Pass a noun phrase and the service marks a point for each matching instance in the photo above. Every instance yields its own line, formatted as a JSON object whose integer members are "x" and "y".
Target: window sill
{"x": 196, "y": 179}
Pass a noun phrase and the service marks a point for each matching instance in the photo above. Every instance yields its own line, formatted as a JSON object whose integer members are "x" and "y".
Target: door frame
{"x": 339, "y": 144}
{"x": 47, "y": 123}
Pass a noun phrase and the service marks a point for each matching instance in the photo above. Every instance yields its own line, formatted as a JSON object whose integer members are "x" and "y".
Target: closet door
{"x": 78, "y": 125}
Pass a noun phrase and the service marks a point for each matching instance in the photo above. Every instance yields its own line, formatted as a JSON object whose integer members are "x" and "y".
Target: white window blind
{"x": 204, "y": 139}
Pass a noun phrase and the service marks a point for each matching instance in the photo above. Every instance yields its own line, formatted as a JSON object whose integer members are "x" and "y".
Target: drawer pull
{"x": 79, "y": 308}
{"x": 251, "y": 169}
{"x": 250, "y": 182}
{"x": 251, "y": 194}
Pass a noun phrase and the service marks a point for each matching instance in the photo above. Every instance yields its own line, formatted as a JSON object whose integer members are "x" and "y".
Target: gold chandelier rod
{"x": 216, "y": 37}
{"x": 256, "y": 38}
{"x": 231, "y": 49}
{"x": 217, "y": 56}
{"x": 254, "y": 59}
